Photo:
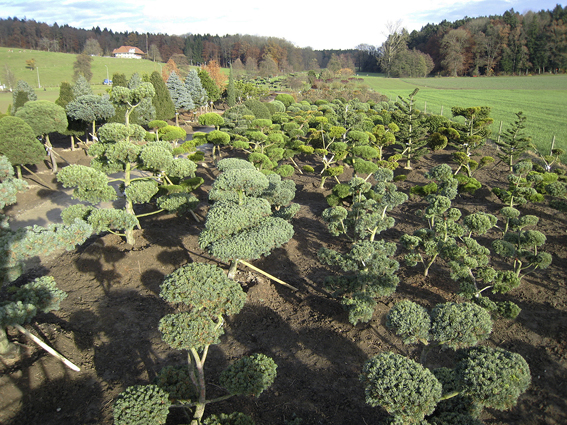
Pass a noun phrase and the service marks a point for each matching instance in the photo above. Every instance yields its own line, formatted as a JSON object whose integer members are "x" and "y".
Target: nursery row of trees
{"x": 251, "y": 213}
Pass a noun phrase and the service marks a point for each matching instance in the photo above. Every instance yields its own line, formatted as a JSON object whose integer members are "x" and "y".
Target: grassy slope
{"x": 57, "y": 67}
{"x": 543, "y": 99}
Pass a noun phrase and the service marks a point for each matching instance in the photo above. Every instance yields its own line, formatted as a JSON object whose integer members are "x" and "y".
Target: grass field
{"x": 543, "y": 99}
{"x": 53, "y": 68}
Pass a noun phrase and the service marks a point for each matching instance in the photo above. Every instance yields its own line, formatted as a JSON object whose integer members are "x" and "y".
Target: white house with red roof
{"x": 128, "y": 52}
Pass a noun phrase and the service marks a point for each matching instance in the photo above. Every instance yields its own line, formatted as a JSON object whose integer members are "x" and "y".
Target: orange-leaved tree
{"x": 214, "y": 70}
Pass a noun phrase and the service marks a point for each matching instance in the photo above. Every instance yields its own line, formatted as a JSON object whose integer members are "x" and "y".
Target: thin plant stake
{"x": 268, "y": 275}
{"x": 47, "y": 348}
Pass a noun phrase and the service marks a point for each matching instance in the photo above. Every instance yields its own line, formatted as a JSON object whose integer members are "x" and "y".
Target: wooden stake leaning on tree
{"x": 47, "y": 348}
{"x": 275, "y": 279}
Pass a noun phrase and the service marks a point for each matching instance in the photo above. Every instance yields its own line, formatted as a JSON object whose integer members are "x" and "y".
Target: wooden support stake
{"x": 39, "y": 178}
{"x": 47, "y": 348}
{"x": 268, "y": 275}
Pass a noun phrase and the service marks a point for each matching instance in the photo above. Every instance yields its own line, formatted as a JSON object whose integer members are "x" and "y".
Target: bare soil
{"x": 108, "y": 324}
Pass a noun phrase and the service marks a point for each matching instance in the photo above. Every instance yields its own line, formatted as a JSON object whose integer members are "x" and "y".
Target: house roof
{"x": 128, "y": 49}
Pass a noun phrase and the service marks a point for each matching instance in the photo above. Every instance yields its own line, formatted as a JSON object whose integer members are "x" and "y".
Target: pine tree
{"x": 19, "y": 143}
{"x": 179, "y": 94}
{"x": 212, "y": 89}
{"x": 25, "y": 93}
{"x": 513, "y": 142}
{"x": 165, "y": 110}
{"x": 196, "y": 89}
{"x": 411, "y": 136}
{"x": 65, "y": 94}
{"x": 146, "y": 111}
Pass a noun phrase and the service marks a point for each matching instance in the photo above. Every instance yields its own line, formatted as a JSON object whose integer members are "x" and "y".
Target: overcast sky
{"x": 316, "y": 24}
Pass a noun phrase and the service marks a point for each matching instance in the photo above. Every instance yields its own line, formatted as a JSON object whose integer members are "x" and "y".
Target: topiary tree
{"x": 520, "y": 246}
{"x": 131, "y": 98}
{"x": 19, "y": 305}
{"x": 204, "y": 295}
{"x": 90, "y": 109}
{"x": 240, "y": 225}
{"x": 405, "y": 389}
{"x": 475, "y": 129}
{"x": 368, "y": 272}
{"x": 492, "y": 377}
{"x": 141, "y": 404}
{"x": 19, "y": 144}
{"x": 27, "y": 242}
{"x": 285, "y": 98}
{"x": 450, "y": 325}
{"x": 45, "y": 117}
{"x": 482, "y": 376}
{"x": 366, "y": 216}
{"x": 114, "y": 153}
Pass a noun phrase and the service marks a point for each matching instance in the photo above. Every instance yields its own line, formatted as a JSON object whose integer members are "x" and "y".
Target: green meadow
{"x": 53, "y": 68}
{"x": 543, "y": 100}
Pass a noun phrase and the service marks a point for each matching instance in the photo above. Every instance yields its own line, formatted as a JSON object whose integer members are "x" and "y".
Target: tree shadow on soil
{"x": 318, "y": 369}
{"x": 59, "y": 401}
{"x": 122, "y": 333}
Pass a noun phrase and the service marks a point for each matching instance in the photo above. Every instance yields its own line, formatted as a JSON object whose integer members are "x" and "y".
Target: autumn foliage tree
{"x": 214, "y": 70}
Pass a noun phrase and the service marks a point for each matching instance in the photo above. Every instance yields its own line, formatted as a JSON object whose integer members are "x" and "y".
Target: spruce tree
{"x": 25, "y": 93}
{"x": 196, "y": 89}
{"x": 179, "y": 94}
{"x": 165, "y": 110}
{"x": 82, "y": 87}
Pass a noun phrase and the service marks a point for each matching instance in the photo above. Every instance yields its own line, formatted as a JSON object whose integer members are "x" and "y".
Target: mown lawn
{"x": 543, "y": 99}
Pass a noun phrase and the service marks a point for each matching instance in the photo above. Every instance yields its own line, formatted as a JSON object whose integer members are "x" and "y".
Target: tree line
{"x": 511, "y": 44}
{"x": 198, "y": 48}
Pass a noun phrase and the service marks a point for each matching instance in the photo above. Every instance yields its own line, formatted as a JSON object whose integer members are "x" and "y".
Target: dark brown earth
{"x": 108, "y": 323}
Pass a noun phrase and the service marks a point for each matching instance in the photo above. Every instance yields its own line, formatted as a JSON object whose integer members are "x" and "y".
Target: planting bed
{"x": 108, "y": 323}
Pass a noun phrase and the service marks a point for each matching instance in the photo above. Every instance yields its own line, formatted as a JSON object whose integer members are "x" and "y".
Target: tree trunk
{"x": 233, "y": 269}
{"x": 7, "y": 349}
{"x": 51, "y": 155}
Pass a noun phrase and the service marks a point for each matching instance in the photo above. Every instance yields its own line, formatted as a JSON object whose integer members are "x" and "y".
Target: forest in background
{"x": 510, "y": 44}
